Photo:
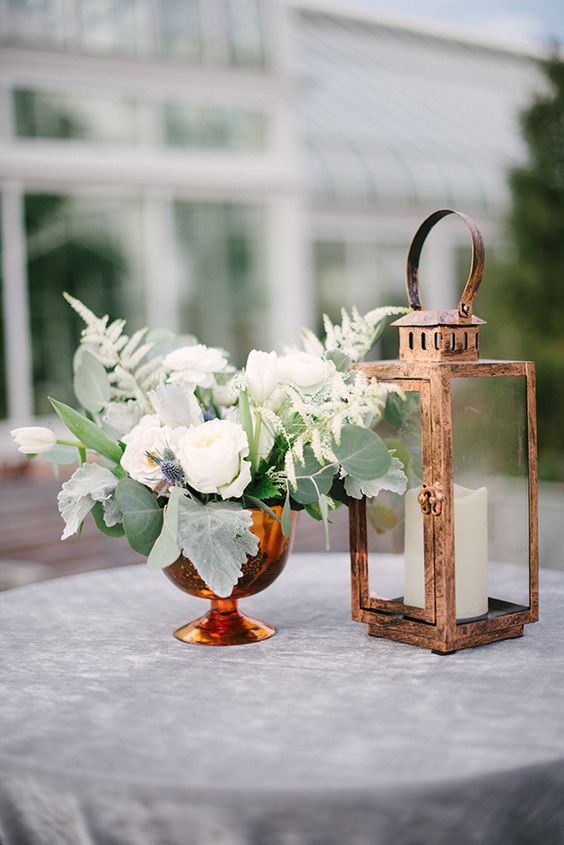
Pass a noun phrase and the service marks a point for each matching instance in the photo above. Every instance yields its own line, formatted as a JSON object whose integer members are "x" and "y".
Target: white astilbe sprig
{"x": 318, "y": 419}
{"x": 131, "y": 374}
{"x": 356, "y": 334}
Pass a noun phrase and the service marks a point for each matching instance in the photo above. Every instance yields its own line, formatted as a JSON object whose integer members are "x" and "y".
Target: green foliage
{"x": 142, "y": 516}
{"x": 91, "y": 384}
{"x": 361, "y": 453}
{"x": 111, "y": 531}
{"x": 399, "y": 409}
{"x": 521, "y": 297}
{"x": 287, "y": 517}
{"x": 87, "y": 432}
{"x": 262, "y": 488}
{"x": 166, "y": 549}
{"x": 312, "y": 479}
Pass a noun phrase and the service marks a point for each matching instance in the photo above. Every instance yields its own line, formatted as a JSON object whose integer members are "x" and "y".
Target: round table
{"x": 113, "y": 732}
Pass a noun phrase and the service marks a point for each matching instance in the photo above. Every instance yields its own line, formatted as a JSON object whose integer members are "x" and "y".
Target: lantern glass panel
{"x": 392, "y": 535}
{"x": 491, "y": 492}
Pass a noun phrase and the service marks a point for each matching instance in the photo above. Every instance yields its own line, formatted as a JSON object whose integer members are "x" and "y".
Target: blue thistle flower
{"x": 172, "y": 472}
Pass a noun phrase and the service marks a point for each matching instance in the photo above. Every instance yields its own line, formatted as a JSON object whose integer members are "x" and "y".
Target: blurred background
{"x": 235, "y": 168}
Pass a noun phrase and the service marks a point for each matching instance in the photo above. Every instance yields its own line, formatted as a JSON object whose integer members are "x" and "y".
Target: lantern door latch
{"x": 431, "y": 498}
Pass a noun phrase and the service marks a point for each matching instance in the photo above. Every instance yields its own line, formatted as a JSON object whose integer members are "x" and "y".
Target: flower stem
{"x": 255, "y": 457}
{"x": 76, "y": 443}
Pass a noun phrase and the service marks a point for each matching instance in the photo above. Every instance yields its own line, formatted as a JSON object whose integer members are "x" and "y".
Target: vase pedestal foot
{"x": 224, "y": 624}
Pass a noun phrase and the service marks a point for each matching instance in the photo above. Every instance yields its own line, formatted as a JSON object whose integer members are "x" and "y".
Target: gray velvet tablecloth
{"x": 113, "y": 732}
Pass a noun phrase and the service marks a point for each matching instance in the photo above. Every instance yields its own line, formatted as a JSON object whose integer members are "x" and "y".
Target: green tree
{"x": 524, "y": 301}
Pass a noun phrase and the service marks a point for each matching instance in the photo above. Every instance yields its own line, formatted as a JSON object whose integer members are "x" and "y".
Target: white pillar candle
{"x": 470, "y": 551}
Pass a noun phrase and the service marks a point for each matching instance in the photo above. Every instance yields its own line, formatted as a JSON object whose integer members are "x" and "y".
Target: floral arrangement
{"x": 175, "y": 444}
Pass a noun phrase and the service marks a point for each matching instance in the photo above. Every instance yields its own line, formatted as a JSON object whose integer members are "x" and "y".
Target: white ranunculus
{"x": 262, "y": 374}
{"x": 147, "y": 436}
{"x": 195, "y": 364}
{"x": 308, "y": 372}
{"x": 33, "y": 439}
{"x": 212, "y": 457}
{"x": 224, "y": 395}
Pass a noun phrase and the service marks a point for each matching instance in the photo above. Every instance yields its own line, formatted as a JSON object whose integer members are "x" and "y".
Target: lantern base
{"x": 435, "y": 644}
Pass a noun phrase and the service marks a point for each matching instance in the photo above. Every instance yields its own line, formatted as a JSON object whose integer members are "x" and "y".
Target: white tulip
{"x": 308, "y": 372}
{"x": 195, "y": 364}
{"x": 212, "y": 457}
{"x": 262, "y": 374}
{"x": 34, "y": 440}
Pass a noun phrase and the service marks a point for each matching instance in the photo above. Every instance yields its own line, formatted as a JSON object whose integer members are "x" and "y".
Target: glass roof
{"x": 393, "y": 114}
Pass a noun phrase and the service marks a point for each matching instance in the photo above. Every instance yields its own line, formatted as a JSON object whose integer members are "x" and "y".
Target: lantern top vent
{"x": 441, "y": 335}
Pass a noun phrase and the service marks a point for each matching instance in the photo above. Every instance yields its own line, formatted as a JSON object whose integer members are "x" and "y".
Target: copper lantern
{"x": 453, "y": 562}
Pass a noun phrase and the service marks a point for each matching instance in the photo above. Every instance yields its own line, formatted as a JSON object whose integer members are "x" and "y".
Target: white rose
{"x": 33, "y": 439}
{"x": 212, "y": 457}
{"x": 308, "y": 372}
{"x": 262, "y": 374}
{"x": 147, "y": 436}
{"x": 195, "y": 364}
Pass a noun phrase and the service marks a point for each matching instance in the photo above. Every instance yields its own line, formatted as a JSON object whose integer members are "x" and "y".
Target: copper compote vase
{"x": 224, "y": 624}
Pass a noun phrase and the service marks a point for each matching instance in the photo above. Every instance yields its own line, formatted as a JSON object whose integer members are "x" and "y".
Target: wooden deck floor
{"x": 31, "y": 527}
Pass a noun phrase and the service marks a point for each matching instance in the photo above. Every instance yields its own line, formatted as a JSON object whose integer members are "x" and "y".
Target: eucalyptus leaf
{"x": 312, "y": 479}
{"x": 110, "y": 530}
{"x": 142, "y": 516}
{"x": 362, "y": 453}
{"x": 91, "y": 384}
{"x": 87, "y": 432}
{"x": 217, "y": 539}
{"x": 166, "y": 549}
{"x": 399, "y": 409}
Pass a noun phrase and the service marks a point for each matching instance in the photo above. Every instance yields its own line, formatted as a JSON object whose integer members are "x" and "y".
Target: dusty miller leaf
{"x": 217, "y": 539}
{"x": 89, "y": 484}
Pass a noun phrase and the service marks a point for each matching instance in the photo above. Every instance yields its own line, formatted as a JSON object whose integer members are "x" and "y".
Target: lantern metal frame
{"x": 436, "y": 347}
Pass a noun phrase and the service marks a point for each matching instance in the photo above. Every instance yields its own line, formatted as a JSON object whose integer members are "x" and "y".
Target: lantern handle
{"x": 476, "y": 268}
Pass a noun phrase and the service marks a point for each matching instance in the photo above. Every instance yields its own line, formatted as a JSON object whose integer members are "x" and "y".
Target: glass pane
{"x": 224, "y": 295}
{"x": 108, "y": 26}
{"x": 180, "y": 29}
{"x": 73, "y": 116}
{"x": 395, "y": 523}
{"x": 491, "y": 492}
{"x": 35, "y": 20}
{"x": 89, "y": 247}
{"x": 244, "y": 32}
{"x": 206, "y": 127}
